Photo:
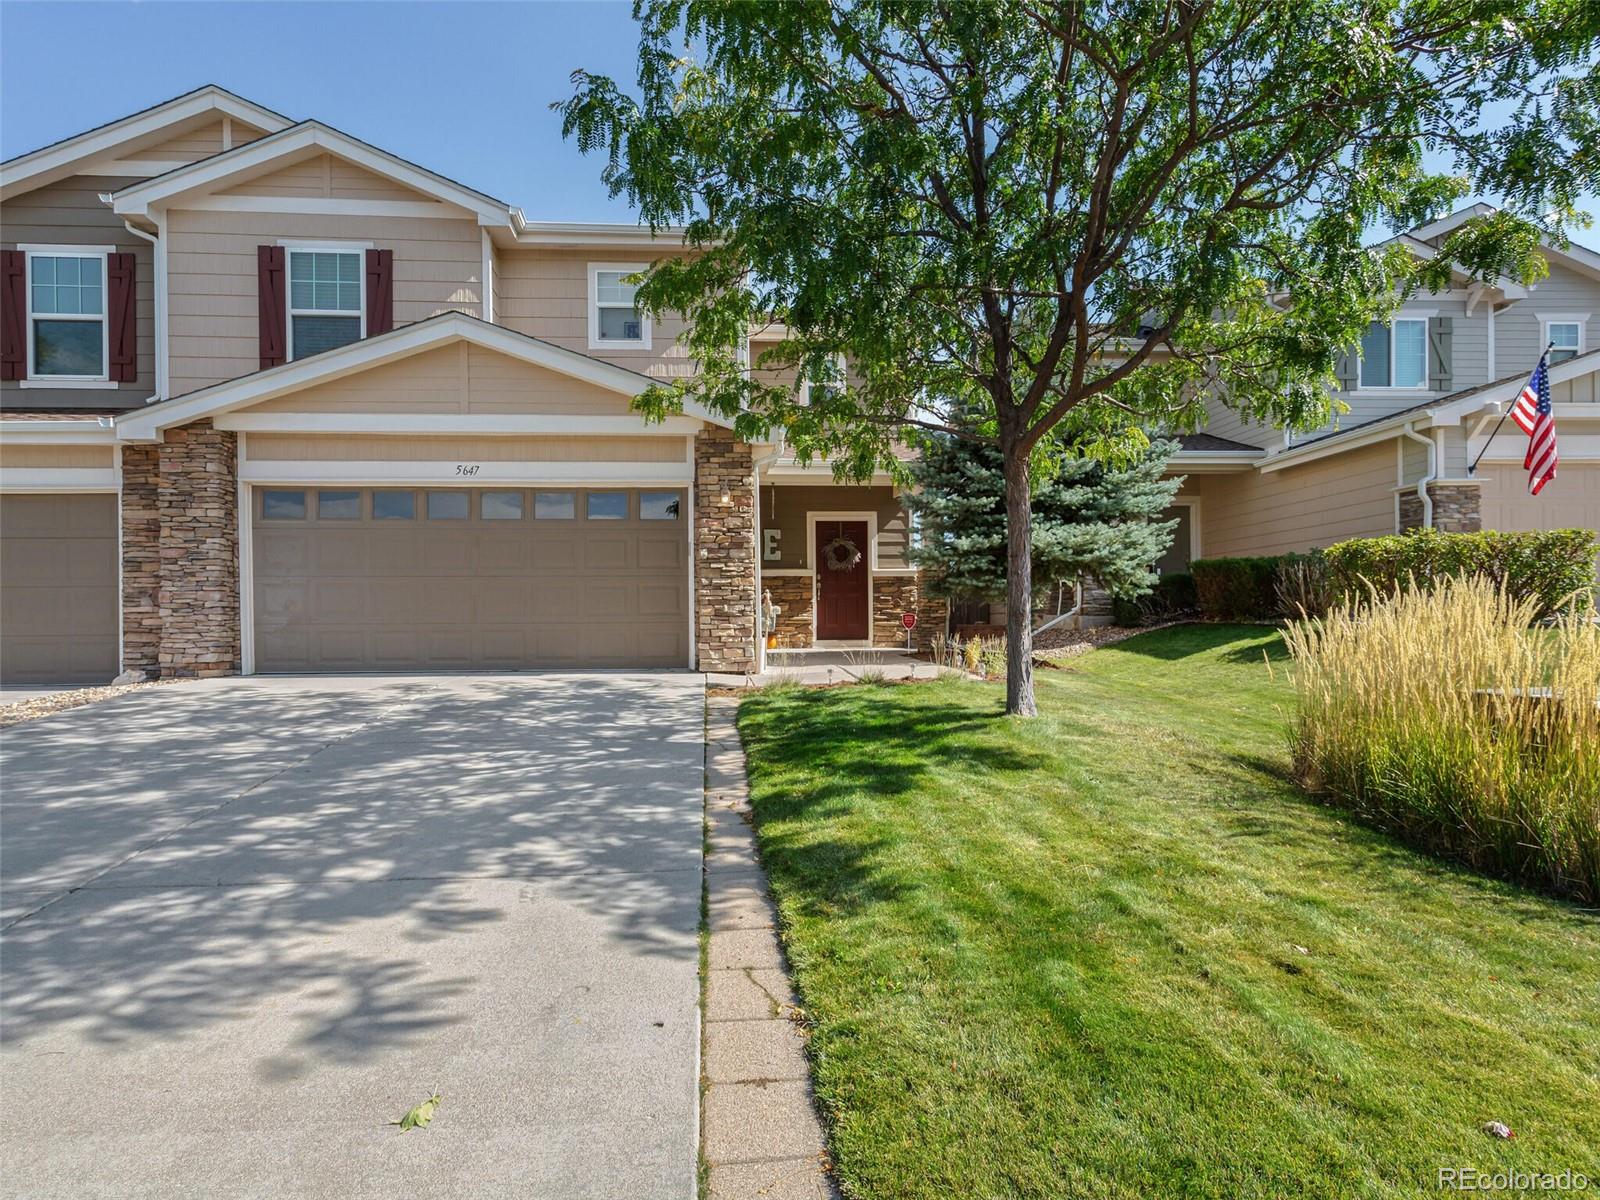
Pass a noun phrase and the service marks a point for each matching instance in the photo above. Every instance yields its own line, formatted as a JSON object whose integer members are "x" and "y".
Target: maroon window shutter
{"x": 274, "y": 310}
{"x": 13, "y": 314}
{"x": 120, "y": 313}
{"x": 380, "y": 291}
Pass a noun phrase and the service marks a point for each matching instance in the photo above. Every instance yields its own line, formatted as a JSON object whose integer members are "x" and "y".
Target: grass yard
{"x": 1115, "y": 952}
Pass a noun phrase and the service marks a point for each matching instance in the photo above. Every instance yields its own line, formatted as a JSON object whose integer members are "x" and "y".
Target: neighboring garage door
{"x": 58, "y": 589}
{"x": 397, "y": 579}
{"x": 1572, "y": 501}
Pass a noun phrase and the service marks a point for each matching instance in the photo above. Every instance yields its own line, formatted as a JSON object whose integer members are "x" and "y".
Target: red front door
{"x": 842, "y": 614}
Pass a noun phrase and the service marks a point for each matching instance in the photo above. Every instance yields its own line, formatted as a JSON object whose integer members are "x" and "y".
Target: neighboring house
{"x": 275, "y": 399}
{"x": 1424, "y": 394}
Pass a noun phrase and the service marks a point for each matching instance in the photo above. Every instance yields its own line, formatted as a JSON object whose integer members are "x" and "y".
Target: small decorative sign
{"x": 909, "y": 620}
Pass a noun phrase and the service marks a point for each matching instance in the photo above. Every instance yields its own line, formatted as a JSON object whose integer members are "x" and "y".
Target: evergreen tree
{"x": 1089, "y": 519}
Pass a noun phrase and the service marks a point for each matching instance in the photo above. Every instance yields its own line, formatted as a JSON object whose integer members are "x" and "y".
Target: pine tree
{"x": 1089, "y": 519}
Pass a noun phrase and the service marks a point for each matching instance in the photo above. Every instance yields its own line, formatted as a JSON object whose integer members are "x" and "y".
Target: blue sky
{"x": 462, "y": 88}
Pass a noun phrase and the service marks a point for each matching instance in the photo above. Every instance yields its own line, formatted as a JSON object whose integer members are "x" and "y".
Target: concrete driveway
{"x": 251, "y": 921}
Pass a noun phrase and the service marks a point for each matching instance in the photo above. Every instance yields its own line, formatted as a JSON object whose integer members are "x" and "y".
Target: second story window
{"x": 1565, "y": 339}
{"x": 67, "y": 316}
{"x": 325, "y": 301}
{"x": 1395, "y": 355}
{"x": 615, "y": 321}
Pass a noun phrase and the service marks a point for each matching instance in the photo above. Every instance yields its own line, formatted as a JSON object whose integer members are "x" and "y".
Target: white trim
{"x": 870, "y": 517}
{"x": 584, "y": 233}
{"x": 30, "y": 170}
{"x": 486, "y": 304}
{"x": 1452, "y": 221}
{"x": 459, "y": 424}
{"x": 693, "y": 498}
{"x": 146, "y": 424}
{"x": 1192, "y": 503}
{"x": 103, "y": 318}
{"x": 327, "y": 206}
{"x": 343, "y": 249}
{"x": 242, "y": 162}
{"x": 116, "y": 462}
{"x": 1202, "y": 462}
{"x": 1417, "y": 316}
{"x": 227, "y": 133}
{"x": 1489, "y": 316}
{"x": 246, "y": 512}
{"x": 595, "y": 341}
{"x": 131, "y": 168}
{"x": 443, "y": 472}
{"x": 94, "y": 431}
{"x": 60, "y": 479}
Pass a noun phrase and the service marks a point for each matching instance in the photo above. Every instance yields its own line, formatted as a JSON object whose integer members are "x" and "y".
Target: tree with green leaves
{"x": 1092, "y": 216}
{"x": 1089, "y": 518}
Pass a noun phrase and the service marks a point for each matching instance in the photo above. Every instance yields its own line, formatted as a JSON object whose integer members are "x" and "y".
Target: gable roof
{"x": 1580, "y": 257}
{"x": 56, "y": 161}
{"x": 147, "y": 423}
{"x": 234, "y": 166}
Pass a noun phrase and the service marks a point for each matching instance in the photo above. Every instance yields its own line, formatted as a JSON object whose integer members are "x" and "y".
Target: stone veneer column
{"x": 199, "y": 552}
{"x": 724, "y": 553}
{"x": 141, "y": 559}
{"x": 893, "y": 595}
{"x": 1455, "y": 508}
{"x": 792, "y": 594}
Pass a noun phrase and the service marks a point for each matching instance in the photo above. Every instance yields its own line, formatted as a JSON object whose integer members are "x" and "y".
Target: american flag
{"x": 1533, "y": 416}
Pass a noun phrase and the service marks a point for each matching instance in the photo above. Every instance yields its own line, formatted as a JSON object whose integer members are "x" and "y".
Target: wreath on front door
{"x": 841, "y": 554}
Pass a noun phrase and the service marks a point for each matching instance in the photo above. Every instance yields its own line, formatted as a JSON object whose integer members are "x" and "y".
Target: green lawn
{"x": 1116, "y": 952}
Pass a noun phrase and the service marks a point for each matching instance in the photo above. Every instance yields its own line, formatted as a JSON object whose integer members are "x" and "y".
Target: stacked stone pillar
{"x": 180, "y": 554}
{"x": 724, "y": 552}
{"x": 1455, "y": 507}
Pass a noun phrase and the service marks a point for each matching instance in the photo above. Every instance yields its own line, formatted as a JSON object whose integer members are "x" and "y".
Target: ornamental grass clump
{"x": 1446, "y": 716}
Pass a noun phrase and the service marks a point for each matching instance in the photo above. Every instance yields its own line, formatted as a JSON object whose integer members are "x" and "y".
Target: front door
{"x": 842, "y": 593}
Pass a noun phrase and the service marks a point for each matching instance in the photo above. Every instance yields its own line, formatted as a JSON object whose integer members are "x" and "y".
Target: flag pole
{"x": 1472, "y": 469}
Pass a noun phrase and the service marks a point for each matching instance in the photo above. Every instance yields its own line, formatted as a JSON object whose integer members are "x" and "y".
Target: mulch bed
{"x": 44, "y": 706}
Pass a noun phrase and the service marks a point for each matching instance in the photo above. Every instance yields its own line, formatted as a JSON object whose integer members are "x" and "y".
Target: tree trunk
{"x": 1019, "y": 583}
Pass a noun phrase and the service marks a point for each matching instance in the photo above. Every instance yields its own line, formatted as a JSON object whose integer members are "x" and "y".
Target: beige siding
{"x": 211, "y": 264}
{"x": 326, "y": 176}
{"x": 70, "y": 213}
{"x": 202, "y": 141}
{"x": 97, "y": 457}
{"x": 785, "y": 509}
{"x": 276, "y": 447}
{"x": 545, "y": 293}
{"x": 1344, "y": 496}
{"x": 1585, "y": 389}
{"x": 459, "y": 378}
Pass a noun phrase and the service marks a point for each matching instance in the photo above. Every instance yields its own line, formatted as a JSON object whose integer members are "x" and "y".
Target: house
{"x": 277, "y": 400}
{"x": 1424, "y": 394}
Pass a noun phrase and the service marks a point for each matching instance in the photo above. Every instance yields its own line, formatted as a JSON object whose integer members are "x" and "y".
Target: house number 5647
{"x": 467, "y": 468}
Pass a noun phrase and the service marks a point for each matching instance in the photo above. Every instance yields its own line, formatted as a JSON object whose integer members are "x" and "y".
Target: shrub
{"x": 1126, "y": 611}
{"x": 1545, "y": 566}
{"x": 1440, "y": 715}
{"x": 1302, "y": 586}
{"x": 1236, "y": 589}
{"x": 1171, "y": 596}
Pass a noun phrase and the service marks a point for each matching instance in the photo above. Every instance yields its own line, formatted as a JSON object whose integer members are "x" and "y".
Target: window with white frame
{"x": 67, "y": 315}
{"x": 1395, "y": 355}
{"x": 615, "y": 321}
{"x": 1564, "y": 336}
{"x": 325, "y": 299}
{"x": 830, "y": 380}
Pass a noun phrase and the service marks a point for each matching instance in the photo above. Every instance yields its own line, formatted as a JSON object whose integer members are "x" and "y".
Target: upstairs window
{"x": 325, "y": 301}
{"x": 1565, "y": 338}
{"x": 67, "y": 316}
{"x": 1395, "y": 355}
{"x": 615, "y": 322}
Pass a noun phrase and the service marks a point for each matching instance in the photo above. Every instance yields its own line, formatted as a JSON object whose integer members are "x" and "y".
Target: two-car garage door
{"x": 387, "y": 579}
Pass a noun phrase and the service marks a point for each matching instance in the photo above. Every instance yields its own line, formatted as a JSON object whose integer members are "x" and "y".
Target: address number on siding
{"x": 468, "y": 469}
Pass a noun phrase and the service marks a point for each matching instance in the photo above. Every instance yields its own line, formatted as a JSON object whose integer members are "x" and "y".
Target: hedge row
{"x": 1551, "y": 566}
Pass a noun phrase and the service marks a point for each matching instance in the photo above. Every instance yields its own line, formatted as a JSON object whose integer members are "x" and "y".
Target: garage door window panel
{"x": 449, "y": 506}
{"x": 555, "y": 506}
{"x": 659, "y": 506}
{"x": 283, "y": 506}
{"x": 502, "y": 506}
{"x": 607, "y": 506}
{"x": 338, "y": 506}
{"x": 394, "y": 506}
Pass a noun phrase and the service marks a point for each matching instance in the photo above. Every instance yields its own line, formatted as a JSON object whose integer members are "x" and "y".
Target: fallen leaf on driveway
{"x": 419, "y": 1116}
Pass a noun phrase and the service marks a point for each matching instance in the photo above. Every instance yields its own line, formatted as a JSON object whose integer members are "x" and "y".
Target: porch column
{"x": 725, "y": 553}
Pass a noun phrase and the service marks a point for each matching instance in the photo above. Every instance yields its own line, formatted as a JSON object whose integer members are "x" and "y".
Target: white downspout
{"x": 755, "y": 479}
{"x": 1431, "y": 474}
{"x": 1077, "y": 607}
{"x": 158, "y": 293}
